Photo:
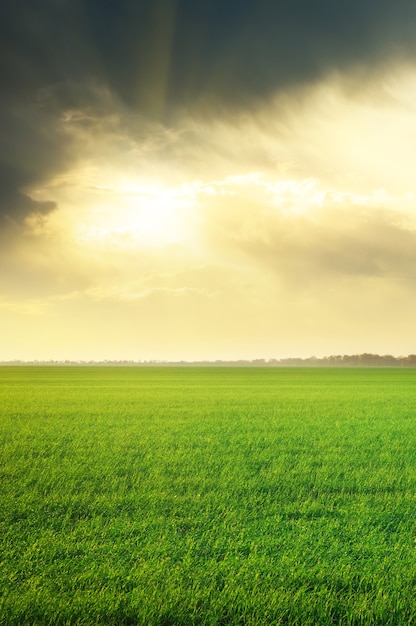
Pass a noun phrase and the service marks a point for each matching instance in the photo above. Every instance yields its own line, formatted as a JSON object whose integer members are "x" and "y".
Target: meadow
{"x": 207, "y": 496}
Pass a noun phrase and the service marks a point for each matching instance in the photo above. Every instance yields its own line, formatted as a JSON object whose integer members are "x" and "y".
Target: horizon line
{"x": 364, "y": 359}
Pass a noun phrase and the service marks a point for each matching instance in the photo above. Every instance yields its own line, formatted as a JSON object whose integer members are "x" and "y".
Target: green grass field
{"x": 182, "y": 496}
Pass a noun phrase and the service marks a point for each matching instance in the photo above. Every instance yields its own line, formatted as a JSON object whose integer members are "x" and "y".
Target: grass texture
{"x": 207, "y": 496}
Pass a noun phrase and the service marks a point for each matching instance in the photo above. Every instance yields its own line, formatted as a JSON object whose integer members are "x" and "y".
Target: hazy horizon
{"x": 186, "y": 181}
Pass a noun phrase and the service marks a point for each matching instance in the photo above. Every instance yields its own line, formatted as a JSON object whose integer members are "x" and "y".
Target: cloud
{"x": 304, "y": 186}
{"x": 32, "y": 149}
{"x": 258, "y": 231}
{"x": 132, "y": 64}
{"x": 132, "y": 293}
{"x": 162, "y": 53}
{"x": 305, "y": 235}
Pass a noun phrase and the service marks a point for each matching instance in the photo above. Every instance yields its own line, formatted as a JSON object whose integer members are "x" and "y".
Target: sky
{"x": 218, "y": 179}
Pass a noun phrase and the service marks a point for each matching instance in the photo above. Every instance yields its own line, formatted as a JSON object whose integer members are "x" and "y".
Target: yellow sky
{"x": 286, "y": 230}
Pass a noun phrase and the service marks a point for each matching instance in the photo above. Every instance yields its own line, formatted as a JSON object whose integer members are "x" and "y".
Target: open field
{"x": 182, "y": 496}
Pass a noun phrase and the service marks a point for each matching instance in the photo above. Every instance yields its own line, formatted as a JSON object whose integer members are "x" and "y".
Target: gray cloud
{"x": 31, "y": 149}
{"x": 320, "y": 247}
{"x": 183, "y": 50}
{"x": 161, "y": 56}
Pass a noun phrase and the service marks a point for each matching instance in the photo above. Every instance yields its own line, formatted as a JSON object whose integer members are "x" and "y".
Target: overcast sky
{"x": 198, "y": 180}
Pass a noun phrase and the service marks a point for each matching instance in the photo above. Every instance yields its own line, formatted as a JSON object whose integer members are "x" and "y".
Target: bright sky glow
{"x": 134, "y": 215}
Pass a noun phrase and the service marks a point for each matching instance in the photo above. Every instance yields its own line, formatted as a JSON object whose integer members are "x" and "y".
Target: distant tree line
{"x": 354, "y": 360}
{"x": 338, "y": 360}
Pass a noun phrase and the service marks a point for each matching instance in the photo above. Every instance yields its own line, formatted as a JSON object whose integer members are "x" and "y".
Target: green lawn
{"x": 212, "y": 496}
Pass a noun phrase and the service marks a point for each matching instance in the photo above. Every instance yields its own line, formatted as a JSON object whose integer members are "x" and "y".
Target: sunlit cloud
{"x": 288, "y": 228}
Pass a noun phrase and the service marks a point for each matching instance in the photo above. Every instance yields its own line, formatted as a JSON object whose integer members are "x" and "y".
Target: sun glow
{"x": 132, "y": 213}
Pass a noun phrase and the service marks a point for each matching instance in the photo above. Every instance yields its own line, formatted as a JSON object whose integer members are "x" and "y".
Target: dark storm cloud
{"x": 158, "y": 55}
{"x": 233, "y": 49}
{"x": 31, "y": 149}
{"x": 235, "y": 52}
